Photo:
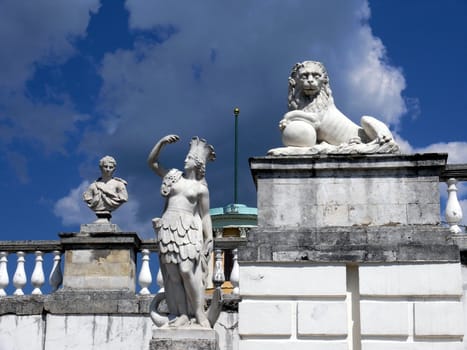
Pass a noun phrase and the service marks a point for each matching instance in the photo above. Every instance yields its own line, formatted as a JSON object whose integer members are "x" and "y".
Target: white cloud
{"x": 374, "y": 86}
{"x": 38, "y": 32}
{"x": 71, "y": 208}
{"x": 32, "y": 35}
{"x": 254, "y": 45}
{"x": 126, "y": 217}
{"x": 457, "y": 150}
{"x": 219, "y": 57}
{"x": 47, "y": 125}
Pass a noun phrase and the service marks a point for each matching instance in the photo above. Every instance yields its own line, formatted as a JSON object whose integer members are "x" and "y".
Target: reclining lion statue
{"x": 315, "y": 125}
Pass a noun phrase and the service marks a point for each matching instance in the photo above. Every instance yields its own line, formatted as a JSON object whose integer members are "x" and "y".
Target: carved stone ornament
{"x": 314, "y": 125}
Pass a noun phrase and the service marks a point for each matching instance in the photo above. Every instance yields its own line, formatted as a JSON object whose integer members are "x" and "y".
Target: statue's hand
{"x": 170, "y": 139}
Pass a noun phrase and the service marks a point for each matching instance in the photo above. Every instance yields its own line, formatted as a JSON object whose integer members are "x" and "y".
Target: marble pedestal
{"x": 349, "y": 254}
{"x": 184, "y": 339}
{"x": 100, "y": 261}
{"x": 348, "y": 190}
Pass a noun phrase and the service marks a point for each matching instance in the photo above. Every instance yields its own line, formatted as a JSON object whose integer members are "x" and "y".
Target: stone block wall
{"x": 94, "y": 320}
{"x": 88, "y": 320}
{"x": 14, "y": 328}
{"x": 370, "y": 307}
{"x": 285, "y": 307}
{"x": 411, "y": 306}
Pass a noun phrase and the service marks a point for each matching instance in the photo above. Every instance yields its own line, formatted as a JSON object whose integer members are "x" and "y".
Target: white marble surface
{"x": 314, "y": 125}
{"x": 411, "y": 279}
{"x": 385, "y": 318}
{"x": 438, "y": 319}
{"x": 21, "y": 332}
{"x": 265, "y": 318}
{"x": 322, "y": 318}
{"x": 328, "y": 191}
{"x": 333, "y": 201}
{"x": 93, "y": 332}
{"x": 97, "y": 332}
{"x": 289, "y": 280}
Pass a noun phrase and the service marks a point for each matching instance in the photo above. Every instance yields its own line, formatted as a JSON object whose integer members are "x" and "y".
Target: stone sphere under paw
{"x": 299, "y": 133}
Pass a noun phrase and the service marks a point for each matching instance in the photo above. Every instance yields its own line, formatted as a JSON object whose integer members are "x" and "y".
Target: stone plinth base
{"x": 348, "y": 253}
{"x": 99, "y": 228}
{"x": 348, "y": 190}
{"x": 100, "y": 261}
{"x": 183, "y": 339}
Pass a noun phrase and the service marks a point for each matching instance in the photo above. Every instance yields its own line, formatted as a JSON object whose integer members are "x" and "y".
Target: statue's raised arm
{"x": 153, "y": 158}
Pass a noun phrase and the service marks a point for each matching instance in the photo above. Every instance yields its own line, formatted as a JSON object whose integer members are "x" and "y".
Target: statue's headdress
{"x": 201, "y": 150}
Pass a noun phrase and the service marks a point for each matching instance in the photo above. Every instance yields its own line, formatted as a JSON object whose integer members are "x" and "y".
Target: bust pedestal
{"x": 100, "y": 261}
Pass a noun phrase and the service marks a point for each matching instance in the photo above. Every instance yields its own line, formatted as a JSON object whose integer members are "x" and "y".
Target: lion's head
{"x": 309, "y": 87}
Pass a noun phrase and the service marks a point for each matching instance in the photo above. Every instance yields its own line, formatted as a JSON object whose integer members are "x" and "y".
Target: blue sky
{"x": 87, "y": 78}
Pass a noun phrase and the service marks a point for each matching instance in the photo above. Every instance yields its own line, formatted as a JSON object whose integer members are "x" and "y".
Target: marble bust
{"x": 107, "y": 193}
{"x": 315, "y": 125}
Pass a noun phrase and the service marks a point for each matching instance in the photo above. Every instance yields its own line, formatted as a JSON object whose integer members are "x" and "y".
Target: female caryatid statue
{"x": 184, "y": 232}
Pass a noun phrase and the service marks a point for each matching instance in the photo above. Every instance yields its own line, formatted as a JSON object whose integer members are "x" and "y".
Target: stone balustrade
{"x": 24, "y": 266}
{"x": 19, "y": 255}
{"x": 86, "y": 314}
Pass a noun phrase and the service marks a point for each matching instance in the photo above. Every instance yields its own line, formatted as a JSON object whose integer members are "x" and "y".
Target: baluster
{"x": 19, "y": 278}
{"x": 453, "y": 208}
{"x": 56, "y": 277}
{"x": 145, "y": 278}
{"x": 4, "y": 279}
{"x": 37, "y": 278}
{"x": 218, "y": 276}
{"x": 235, "y": 274}
{"x": 160, "y": 281}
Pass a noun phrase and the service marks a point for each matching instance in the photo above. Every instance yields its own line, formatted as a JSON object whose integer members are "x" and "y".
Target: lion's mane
{"x": 298, "y": 100}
